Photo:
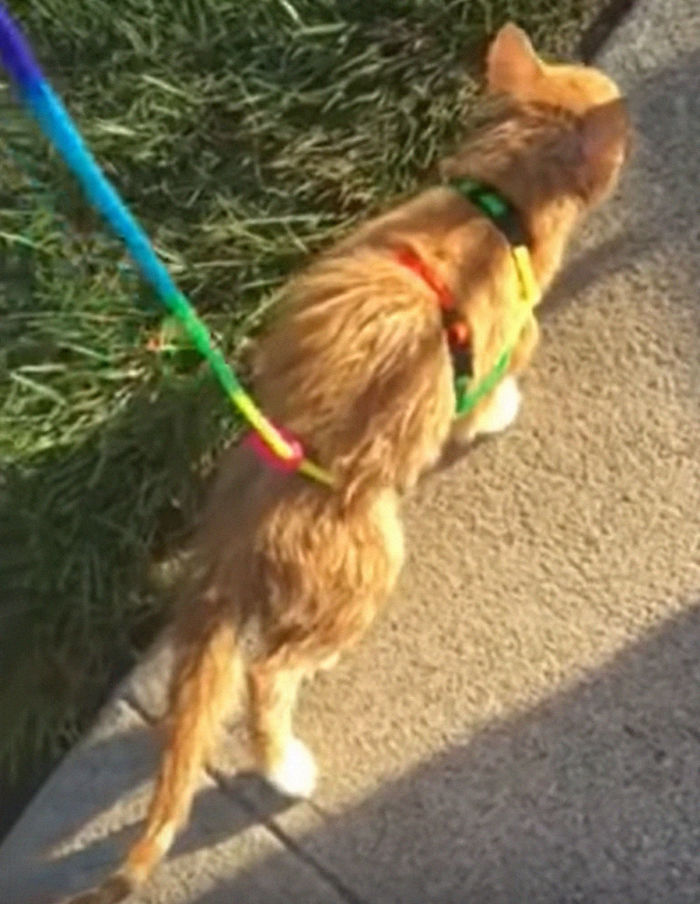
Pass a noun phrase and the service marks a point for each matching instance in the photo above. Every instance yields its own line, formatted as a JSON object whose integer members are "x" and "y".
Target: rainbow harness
{"x": 505, "y": 218}
{"x": 273, "y": 444}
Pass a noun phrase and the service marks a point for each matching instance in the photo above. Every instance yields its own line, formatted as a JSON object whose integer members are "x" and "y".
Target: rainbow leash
{"x": 47, "y": 108}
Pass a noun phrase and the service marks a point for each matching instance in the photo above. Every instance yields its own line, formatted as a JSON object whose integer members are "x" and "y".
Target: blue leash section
{"x": 279, "y": 449}
{"x": 37, "y": 94}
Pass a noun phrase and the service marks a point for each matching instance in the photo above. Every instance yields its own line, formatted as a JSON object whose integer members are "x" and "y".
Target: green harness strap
{"x": 506, "y": 219}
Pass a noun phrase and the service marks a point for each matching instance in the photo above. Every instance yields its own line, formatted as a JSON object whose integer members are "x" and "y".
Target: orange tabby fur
{"x": 357, "y": 366}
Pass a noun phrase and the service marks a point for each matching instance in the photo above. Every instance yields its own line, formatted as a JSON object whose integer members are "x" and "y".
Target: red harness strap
{"x": 457, "y": 330}
{"x": 408, "y": 258}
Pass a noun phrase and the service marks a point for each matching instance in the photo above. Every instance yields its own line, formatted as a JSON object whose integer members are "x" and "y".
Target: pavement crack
{"x": 136, "y": 707}
{"x": 343, "y": 891}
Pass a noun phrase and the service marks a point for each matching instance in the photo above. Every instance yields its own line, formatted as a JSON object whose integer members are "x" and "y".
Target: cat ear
{"x": 604, "y": 130}
{"x": 512, "y": 64}
{"x": 605, "y": 134}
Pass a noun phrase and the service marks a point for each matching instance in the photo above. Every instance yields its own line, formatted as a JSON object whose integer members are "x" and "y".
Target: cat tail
{"x": 207, "y": 676}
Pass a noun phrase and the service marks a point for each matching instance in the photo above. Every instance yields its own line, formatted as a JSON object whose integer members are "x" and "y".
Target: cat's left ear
{"x": 512, "y": 65}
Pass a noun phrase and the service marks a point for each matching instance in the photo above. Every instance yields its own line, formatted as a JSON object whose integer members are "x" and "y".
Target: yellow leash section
{"x": 283, "y": 450}
{"x": 250, "y": 411}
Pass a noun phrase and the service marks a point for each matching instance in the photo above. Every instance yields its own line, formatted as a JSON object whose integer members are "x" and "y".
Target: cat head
{"x": 515, "y": 70}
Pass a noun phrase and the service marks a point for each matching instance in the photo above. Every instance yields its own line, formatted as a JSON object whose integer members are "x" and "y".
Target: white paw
{"x": 295, "y": 774}
{"x": 502, "y": 410}
{"x": 330, "y": 663}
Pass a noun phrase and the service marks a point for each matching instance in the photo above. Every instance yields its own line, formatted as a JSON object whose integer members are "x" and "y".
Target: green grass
{"x": 246, "y": 134}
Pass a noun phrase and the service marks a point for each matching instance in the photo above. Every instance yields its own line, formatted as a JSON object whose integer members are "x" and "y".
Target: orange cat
{"x": 424, "y": 310}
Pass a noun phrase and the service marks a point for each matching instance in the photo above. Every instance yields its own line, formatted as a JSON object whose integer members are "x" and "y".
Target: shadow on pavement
{"x": 591, "y": 797}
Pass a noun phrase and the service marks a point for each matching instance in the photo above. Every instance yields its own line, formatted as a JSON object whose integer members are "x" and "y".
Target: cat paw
{"x": 295, "y": 773}
{"x": 502, "y": 410}
{"x": 330, "y": 663}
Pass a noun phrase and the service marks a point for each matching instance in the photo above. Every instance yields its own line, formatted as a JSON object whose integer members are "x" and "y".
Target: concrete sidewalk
{"x": 524, "y": 723}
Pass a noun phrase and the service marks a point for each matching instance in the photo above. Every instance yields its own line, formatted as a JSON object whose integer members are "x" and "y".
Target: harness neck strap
{"x": 506, "y": 218}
